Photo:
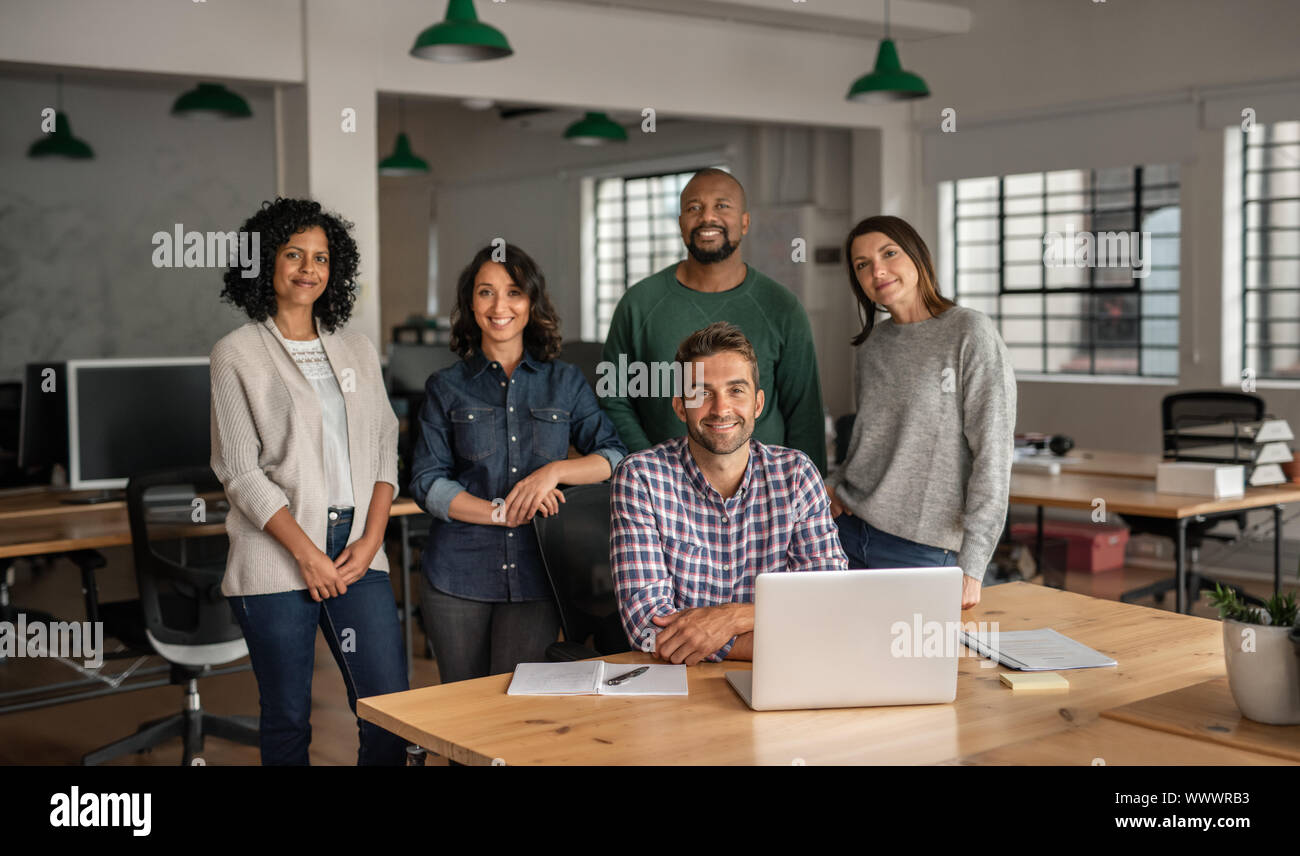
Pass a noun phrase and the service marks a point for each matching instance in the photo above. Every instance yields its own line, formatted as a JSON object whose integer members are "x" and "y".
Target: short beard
{"x": 699, "y": 437}
{"x": 709, "y": 257}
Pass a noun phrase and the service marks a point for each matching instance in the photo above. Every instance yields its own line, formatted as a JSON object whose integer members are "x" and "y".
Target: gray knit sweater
{"x": 268, "y": 447}
{"x": 930, "y": 455}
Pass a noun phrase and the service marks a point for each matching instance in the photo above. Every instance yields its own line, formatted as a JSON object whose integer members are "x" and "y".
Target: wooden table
{"x": 1198, "y": 724}
{"x": 1106, "y": 742}
{"x": 1100, "y": 462}
{"x": 37, "y": 523}
{"x": 475, "y": 722}
{"x": 1095, "y": 462}
{"x": 1138, "y": 496}
{"x": 1206, "y": 712}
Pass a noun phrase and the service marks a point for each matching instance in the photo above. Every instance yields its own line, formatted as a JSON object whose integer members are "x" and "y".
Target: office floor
{"x": 63, "y": 733}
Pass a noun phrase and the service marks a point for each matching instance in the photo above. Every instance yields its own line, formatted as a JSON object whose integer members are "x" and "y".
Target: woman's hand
{"x": 356, "y": 559}
{"x": 970, "y": 591}
{"x": 529, "y": 494}
{"x": 836, "y": 507}
{"x": 322, "y": 578}
{"x": 551, "y": 504}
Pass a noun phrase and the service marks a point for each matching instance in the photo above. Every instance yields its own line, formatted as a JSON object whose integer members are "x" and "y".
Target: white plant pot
{"x": 1263, "y": 672}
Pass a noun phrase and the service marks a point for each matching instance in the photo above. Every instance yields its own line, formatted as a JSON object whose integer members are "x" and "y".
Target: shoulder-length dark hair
{"x": 900, "y": 232}
{"x": 275, "y": 223}
{"x": 541, "y": 335}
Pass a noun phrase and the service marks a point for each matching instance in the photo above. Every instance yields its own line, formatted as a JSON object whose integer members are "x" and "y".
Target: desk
{"x": 1138, "y": 496}
{"x": 1207, "y": 712}
{"x": 1115, "y": 744}
{"x": 1099, "y": 462}
{"x": 39, "y": 523}
{"x": 1198, "y": 724}
{"x": 475, "y": 722}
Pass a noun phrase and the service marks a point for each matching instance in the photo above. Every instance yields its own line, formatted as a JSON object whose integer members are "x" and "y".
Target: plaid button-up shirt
{"x": 677, "y": 543}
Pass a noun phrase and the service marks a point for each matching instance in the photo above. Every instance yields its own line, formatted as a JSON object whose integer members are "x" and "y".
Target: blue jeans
{"x": 868, "y": 547}
{"x": 363, "y": 634}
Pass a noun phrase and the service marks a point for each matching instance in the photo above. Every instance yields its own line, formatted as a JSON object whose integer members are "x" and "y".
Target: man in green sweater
{"x": 713, "y": 283}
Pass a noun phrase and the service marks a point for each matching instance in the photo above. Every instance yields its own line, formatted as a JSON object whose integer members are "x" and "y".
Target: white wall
{"x": 76, "y": 271}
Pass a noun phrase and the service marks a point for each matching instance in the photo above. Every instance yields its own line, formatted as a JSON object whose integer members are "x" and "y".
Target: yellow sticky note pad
{"x": 1035, "y": 681}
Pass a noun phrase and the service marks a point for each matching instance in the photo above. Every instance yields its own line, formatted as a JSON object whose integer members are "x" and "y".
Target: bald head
{"x": 713, "y": 183}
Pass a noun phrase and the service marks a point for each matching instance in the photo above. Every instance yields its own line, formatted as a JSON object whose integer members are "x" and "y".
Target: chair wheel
{"x": 1160, "y": 597}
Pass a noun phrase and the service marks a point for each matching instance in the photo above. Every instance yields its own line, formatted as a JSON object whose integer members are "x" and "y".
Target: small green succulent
{"x": 1281, "y": 609}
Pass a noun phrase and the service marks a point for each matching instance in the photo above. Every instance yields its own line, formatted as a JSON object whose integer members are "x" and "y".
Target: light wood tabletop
{"x": 1107, "y": 742}
{"x": 1134, "y": 495}
{"x": 475, "y": 722}
{"x": 39, "y": 524}
{"x": 1206, "y": 712}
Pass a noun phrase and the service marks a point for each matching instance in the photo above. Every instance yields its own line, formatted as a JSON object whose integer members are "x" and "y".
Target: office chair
{"x": 1178, "y": 411}
{"x": 575, "y": 553}
{"x": 180, "y": 615}
{"x": 843, "y": 433}
{"x": 586, "y": 356}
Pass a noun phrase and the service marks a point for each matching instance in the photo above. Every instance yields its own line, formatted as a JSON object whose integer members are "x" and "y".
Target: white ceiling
{"x": 910, "y": 20}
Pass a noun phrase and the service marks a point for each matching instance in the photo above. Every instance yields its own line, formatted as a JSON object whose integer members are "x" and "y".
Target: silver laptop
{"x": 853, "y": 639}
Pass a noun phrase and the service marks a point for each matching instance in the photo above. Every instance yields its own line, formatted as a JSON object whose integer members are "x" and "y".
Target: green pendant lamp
{"x": 595, "y": 129}
{"x": 211, "y": 100}
{"x": 887, "y": 82}
{"x": 402, "y": 161}
{"x": 60, "y": 143}
{"x": 461, "y": 37}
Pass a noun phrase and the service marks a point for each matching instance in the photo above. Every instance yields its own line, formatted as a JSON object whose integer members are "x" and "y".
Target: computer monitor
{"x": 128, "y": 416}
{"x": 43, "y": 432}
{"x": 409, "y": 366}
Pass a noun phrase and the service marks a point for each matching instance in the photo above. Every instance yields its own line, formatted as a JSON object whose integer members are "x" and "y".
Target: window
{"x": 1078, "y": 268}
{"x": 1270, "y": 250}
{"x": 636, "y": 234}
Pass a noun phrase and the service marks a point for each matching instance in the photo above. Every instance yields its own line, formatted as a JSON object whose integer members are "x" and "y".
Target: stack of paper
{"x": 1259, "y": 445}
{"x": 1035, "y": 650}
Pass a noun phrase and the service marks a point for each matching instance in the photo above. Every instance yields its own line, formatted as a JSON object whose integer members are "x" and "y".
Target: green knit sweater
{"x": 657, "y": 313}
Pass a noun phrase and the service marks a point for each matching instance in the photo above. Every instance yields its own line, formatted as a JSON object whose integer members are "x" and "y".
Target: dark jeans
{"x": 363, "y": 634}
{"x": 868, "y": 547}
{"x": 473, "y": 639}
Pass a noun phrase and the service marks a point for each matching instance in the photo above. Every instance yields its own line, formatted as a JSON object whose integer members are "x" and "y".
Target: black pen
{"x": 626, "y": 676}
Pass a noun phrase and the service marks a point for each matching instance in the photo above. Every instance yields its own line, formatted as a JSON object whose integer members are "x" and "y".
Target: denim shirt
{"x": 482, "y": 432}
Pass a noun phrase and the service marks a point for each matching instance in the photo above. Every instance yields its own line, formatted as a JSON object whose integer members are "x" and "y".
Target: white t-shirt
{"x": 315, "y": 366}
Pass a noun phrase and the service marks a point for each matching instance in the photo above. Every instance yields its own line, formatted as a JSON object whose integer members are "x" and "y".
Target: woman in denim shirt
{"x": 495, "y": 432}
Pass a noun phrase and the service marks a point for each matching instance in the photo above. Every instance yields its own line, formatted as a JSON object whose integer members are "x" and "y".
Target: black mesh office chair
{"x": 1181, "y": 410}
{"x": 843, "y": 433}
{"x": 586, "y": 356}
{"x": 575, "y": 552}
{"x": 181, "y": 614}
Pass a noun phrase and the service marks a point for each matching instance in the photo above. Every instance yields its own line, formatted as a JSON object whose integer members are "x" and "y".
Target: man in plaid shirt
{"x": 695, "y": 519}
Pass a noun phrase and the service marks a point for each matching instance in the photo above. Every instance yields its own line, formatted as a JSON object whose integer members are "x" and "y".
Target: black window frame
{"x": 1092, "y": 342}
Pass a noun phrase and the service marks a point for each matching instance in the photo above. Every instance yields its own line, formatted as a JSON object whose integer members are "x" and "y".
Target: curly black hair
{"x": 541, "y": 336}
{"x": 275, "y": 223}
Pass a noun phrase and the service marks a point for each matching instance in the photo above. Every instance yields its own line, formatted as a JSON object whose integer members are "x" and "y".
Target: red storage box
{"x": 1093, "y": 547}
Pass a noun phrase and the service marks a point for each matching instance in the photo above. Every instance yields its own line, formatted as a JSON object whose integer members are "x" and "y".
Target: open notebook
{"x": 588, "y": 677}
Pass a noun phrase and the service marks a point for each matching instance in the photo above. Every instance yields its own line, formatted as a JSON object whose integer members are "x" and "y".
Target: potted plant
{"x": 1262, "y": 651}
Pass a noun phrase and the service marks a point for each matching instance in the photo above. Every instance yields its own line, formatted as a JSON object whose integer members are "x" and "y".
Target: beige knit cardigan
{"x": 268, "y": 447}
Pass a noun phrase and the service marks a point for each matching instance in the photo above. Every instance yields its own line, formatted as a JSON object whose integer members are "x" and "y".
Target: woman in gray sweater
{"x": 305, "y": 443}
{"x": 928, "y": 468}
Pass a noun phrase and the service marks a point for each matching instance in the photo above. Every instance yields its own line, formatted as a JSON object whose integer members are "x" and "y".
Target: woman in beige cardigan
{"x": 305, "y": 443}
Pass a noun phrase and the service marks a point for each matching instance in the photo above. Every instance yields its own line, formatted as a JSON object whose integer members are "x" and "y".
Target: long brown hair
{"x": 541, "y": 336}
{"x": 900, "y": 232}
